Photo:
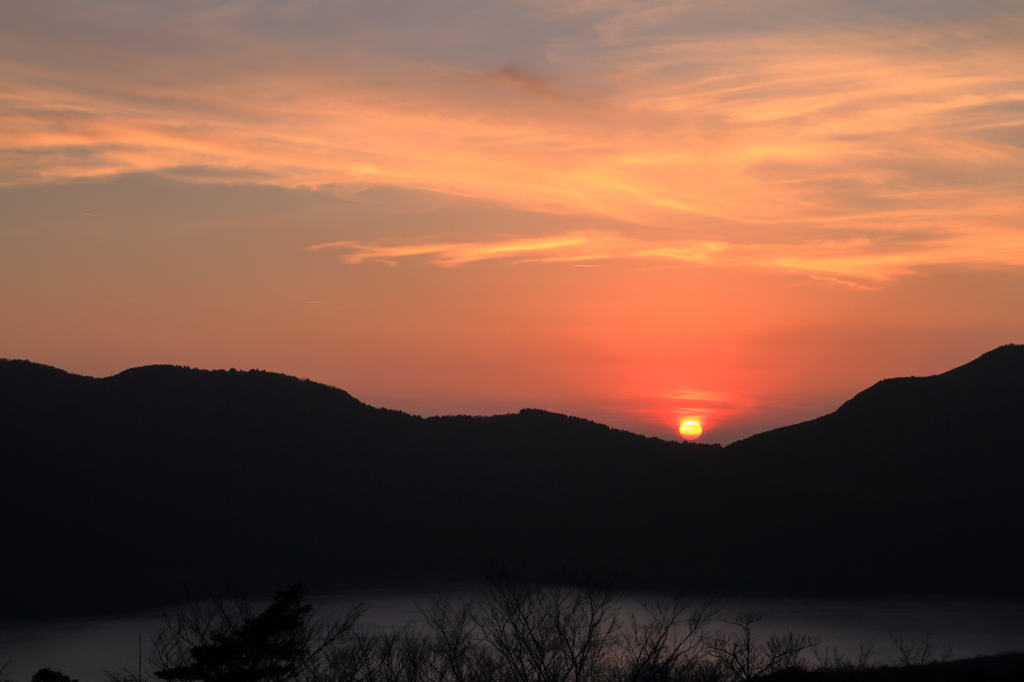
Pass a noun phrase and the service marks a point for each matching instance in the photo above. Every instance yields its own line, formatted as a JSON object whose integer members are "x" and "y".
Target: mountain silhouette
{"x": 981, "y": 403}
{"x": 119, "y": 490}
{"x": 911, "y": 486}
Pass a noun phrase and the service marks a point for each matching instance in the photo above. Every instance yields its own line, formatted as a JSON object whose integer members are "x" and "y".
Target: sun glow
{"x": 690, "y": 430}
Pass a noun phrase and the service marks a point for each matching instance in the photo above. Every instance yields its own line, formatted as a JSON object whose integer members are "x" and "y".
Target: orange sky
{"x": 634, "y": 212}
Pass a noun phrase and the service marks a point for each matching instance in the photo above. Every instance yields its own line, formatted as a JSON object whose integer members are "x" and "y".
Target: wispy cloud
{"x": 841, "y": 149}
{"x": 713, "y": 409}
{"x": 832, "y": 261}
{"x": 565, "y": 247}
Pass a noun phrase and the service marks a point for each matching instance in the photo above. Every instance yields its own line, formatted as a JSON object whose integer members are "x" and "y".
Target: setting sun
{"x": 690, "y": 430}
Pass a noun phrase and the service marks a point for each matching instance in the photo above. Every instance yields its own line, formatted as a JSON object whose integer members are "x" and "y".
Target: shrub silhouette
{"x": 48, "y": 675}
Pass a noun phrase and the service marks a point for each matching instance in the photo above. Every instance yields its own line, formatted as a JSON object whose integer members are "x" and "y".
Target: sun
{"x": 690, "y": 430}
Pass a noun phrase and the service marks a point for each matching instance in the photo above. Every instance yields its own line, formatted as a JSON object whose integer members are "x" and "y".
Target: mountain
{"x": 978, "y": 407}
{"x": 117, "y": 491}
{"x": 911, "y": 485}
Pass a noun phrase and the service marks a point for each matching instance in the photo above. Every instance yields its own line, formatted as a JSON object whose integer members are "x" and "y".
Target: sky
{"x": 736, "y": 212}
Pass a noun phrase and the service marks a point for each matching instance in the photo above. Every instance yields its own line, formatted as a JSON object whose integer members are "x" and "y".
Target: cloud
{"x": 520, "y": 78}
{"x": 837, "y": 261}
{"x": 841, "y": 147}
{"x": 568, "y": 247}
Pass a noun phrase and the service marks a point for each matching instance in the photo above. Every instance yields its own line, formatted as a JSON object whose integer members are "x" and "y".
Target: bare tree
{"x": 743, "y": 658}
{"x": 455, "y": 638}
{"x": 356, "y": 658}
{"x": 666, "y": 641}
{"x": 830, "y": 659}
{"x": 913, "y": 651}
{"x": 396, "y": 655}
{"x": 548, "y": 633}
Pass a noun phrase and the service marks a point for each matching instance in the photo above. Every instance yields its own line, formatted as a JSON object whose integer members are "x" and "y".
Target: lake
{"x": 84, "y": 648}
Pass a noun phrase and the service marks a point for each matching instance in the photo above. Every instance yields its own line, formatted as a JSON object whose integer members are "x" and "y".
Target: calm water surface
{"x": 85, "y": 648}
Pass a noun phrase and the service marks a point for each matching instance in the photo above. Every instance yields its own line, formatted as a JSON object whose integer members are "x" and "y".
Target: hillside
{"x": 977, "y": 406}
{"x": 915, "y": 476}
{"x": 118, "y": 490}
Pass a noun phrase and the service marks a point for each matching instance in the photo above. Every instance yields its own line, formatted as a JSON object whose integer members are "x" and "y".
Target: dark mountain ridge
{"x": 981, "y": 402}
{"x": 910, "y": 486}
{"x": 117, "y": 490}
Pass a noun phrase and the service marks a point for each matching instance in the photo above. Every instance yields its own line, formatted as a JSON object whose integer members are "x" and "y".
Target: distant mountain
{"x": 118, "y": 490}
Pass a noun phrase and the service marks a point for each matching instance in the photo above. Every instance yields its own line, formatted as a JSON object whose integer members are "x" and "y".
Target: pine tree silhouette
{"x": 269, "y": 647}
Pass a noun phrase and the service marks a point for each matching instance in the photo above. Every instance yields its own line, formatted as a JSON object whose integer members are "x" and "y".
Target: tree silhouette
{"x": 48, "y": 675}
{"x": 743, "y": 658}
{"x": 228, "y": 644}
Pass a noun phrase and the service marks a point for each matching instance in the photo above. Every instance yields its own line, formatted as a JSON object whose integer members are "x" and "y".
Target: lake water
{"x": 84, "y": 648}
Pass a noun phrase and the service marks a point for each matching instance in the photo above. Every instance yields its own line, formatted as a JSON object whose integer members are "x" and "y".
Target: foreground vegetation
{"x": 520, "y": 631}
